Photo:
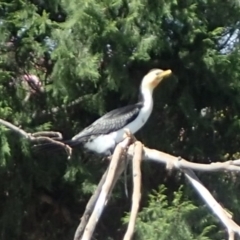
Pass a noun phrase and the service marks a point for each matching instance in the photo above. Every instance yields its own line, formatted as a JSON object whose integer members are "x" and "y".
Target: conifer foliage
{"x": 65, "y": 63}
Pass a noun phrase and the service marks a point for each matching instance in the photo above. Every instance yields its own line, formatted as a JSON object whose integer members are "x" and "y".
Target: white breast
{"x": 136, "y": 124}
{"x": 101, "y": 144}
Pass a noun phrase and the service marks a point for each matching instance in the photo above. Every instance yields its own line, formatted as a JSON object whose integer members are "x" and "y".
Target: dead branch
{"x": 212, "y": 203}
{"x": 30, "y": 136}
{"x": 188, "y": 167}
{"x": 179, "y": 163}
{"x": 106, "y": 189}
{"x": 121, "y": 167}
{"x": 231, "y": 235}
{"x": 15, "y": 129}
{"x": 136, "y": 197}
{"x": 66, "y": 147}
{"x": 53, "y": 135}
{"x": 93, "y": 199}
{"x": 149, "y": 154}
{"x": 47, "y": 136}
{"x": 114, "y": 172}
{"x": 89, "y": 208}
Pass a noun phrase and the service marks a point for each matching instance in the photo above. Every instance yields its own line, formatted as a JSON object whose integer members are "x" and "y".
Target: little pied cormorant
{"x": 105, "y": 133}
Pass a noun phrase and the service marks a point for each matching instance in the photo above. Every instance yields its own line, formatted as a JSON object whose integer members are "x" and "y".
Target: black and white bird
{"x": 105, "y": 133}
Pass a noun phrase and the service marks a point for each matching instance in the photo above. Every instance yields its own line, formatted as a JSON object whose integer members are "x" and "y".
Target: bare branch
{"x": 211, "y": 202}
{"x": 231, "y": 235}
{"x": 30, "y": 136}
{"x": 136, "y": 197}
{"x": 121, "y": 167}
{"x": 106, "y": 189}
{"x": 53, "y": 135}
{"x": 116, "y": 168}
{"x": 89, "y": 208}
{"x": 16, "y": 129}
{"x": 47, "y": 136}
{"x": 149, "y": 154}
{"x": 187, "y": 167}
{"x": 161, "y": 157}
{"x": 66, "y": 147}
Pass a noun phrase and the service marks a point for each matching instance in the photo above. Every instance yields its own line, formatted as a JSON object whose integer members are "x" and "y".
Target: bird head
{"x": 153, "y": 78}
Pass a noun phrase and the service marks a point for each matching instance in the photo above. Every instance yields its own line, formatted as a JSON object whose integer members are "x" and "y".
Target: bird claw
{"x": 128, "y": 133}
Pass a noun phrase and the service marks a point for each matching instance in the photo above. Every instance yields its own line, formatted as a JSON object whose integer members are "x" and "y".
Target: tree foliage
{"x": 175, "y": 219}
{"x": 89, "y": 57}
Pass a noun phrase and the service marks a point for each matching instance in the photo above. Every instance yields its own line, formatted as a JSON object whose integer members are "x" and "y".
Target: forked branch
{"x": 116, "y": 168}
{"x": 43, "y": 136}
{"x": 106, "y": 189}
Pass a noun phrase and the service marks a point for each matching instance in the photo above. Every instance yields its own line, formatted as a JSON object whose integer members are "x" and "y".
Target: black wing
{"x": 111, "y": 121}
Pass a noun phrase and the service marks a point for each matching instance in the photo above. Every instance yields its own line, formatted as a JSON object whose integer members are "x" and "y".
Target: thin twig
{"x": 66, "y": 147}
{"x": 136, "y": 197}
{"x": 53, "y": 135}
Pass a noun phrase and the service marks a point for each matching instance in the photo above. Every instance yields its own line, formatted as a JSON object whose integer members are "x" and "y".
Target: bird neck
{"x": 146, "y": 97}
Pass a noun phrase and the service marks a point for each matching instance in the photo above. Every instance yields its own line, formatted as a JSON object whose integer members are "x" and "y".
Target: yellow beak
{"x": 165, "y": 74}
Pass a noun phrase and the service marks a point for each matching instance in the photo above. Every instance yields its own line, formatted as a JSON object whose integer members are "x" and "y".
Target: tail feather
{"x": 51, "y": 146}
